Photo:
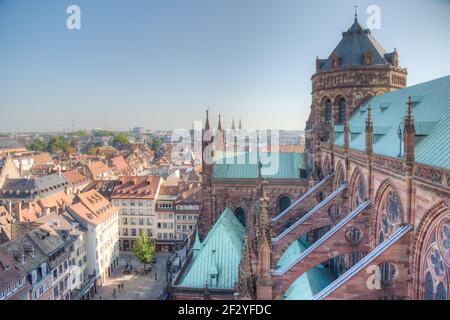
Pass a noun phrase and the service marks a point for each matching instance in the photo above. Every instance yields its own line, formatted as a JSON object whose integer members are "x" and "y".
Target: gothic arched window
{"x": 284, "y": 203}
{"x": 436, "y": 266}
{"x": 340, "y": 180}
{"x": 342, "y": 111}
{"x": 359, "y": 191}
{"x": 441, "y": 293}
{"x": 429, "y": 287}
{"x": 328, "y": 108}
{"x": 390, "y": 216}
{"x": 240, "y": 215}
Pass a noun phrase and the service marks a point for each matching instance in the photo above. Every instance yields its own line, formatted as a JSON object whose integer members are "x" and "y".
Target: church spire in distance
{"x": 220, "y": 124}
{"x": 207, "y": 120}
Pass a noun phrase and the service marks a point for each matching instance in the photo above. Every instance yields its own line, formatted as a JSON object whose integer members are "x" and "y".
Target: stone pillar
{"x": 408, "y": 160}
{"x": 369, "y": 151}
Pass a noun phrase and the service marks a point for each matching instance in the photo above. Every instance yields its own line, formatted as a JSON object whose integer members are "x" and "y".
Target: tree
{"x": 155, "y": 144}
{"x": 38, "y": 145}
{"x": 104, "y": 133}
{"x": 92, "y": 151}
{"x": 80, "y": 134}
{"x": 56, "y": 143}
{"x": 143, "y": 249}
{"x": 120, "y": 139}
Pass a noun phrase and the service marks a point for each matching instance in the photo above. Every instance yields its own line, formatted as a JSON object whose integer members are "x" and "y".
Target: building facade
{"x": 371, "y": 219}
{"x": 135, "y": 198}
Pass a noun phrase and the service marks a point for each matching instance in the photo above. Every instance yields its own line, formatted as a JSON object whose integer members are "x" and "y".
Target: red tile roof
{"x": 93, "y": 207}
{"x": 120, "y": 163}
{"x": 98, "y": 168}
{"x": 137, "y": 187}
{"x": 75, "y": 178}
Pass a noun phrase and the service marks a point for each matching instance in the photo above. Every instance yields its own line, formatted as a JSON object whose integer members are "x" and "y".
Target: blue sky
{"x": 160, "y": 63}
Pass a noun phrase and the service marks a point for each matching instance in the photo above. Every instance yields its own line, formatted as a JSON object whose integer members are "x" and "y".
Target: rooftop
{"x": 92, "y": 208}
{"x": 245, "y": 166}
{"x": 219, "y": 254}
{"x": 431, "y": 120}
{"x": 145, "y": 187}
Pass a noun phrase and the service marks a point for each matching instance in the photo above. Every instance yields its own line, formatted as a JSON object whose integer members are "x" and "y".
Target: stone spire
{"x": 409, "y": 133}
{"x": 240, "y": 124}
{"x": 246, "y": 282}
{"x": 233, "y": 127}
{"x": 207, "y": 126}
{"x": 369, "y": 132}
{"x": 219, "y": 127}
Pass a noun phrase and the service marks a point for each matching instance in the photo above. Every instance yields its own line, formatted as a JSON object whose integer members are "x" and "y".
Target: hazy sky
{"x": 160, "y": 63}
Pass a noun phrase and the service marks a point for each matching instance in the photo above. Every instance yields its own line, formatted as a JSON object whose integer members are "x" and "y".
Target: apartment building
{"x": 13, "y": 284}
{"x": 53, "y": 245}
{"x": 99, "y": 171}
{"x": 31, "y": 262}
{"x": 165, "y": 217}
{"x": 135, "y": 197}
{"x": 101, "y": 220}
{"x": 74, "y": 236}
{"x": 77, "y": 182}
{"x": 187, "y": 209}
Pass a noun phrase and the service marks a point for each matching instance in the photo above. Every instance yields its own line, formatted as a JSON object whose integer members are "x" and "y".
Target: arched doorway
{"x": 284, "y": 203}
{"x": 240, "y": 215}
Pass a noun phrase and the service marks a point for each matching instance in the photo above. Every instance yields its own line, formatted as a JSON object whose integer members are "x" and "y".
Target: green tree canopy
{"x": 143, "y": 249}
{"x": 56, "y": 143}
{"x": 38, "y": 145}
{"x": 104, "y": 133}
{"x": 80, "y": 134}
{"x": 155, "y": 144}
{"x": 120, "y": 139}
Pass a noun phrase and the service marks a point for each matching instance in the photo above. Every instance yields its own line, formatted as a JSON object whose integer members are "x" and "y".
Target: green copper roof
{"x": 197, "y": 244}
{"x": 431, "y": 118}
{"x": 311, "y": 282}
{"x": 245, "y": 166}
{"x": 220, "y": 255}
{"x": 292, "y": 252}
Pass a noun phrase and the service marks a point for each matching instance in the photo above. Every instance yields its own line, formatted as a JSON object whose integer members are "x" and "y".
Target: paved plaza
{"x": 136, "y": 286}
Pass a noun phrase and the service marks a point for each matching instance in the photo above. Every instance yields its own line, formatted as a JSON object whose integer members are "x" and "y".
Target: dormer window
{"x": 334, "y": 60}
{"x": 367, "y": 58}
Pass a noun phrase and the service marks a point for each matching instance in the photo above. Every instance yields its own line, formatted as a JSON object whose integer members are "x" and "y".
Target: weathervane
{"x": 356, "y": 12}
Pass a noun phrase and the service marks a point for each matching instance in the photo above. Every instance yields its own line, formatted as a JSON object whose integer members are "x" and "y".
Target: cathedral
{"x": 363, "y": 213}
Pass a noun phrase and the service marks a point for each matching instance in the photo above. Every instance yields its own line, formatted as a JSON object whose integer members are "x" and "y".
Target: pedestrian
{"x": 100, "y": 298}
{"x": 114, "y": 294}
{"x": 118, "y": 286}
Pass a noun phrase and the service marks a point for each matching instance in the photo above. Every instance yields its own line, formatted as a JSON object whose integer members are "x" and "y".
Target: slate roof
{"x": 245, "y": 166}
{"x": 28, "y": 188}
{"x": 220, "y": 253}
{"x": 357, "y": 41}
{"x": 431, "y": 120}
